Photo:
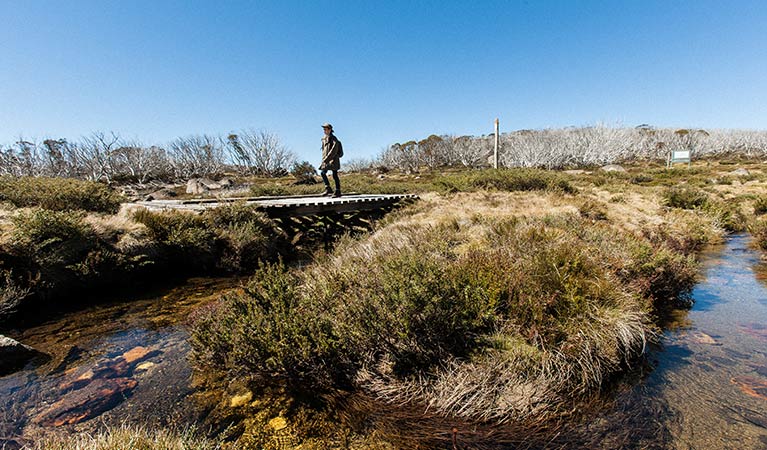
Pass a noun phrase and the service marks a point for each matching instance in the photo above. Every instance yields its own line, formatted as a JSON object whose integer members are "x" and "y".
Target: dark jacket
{"x": 331, "y": 153}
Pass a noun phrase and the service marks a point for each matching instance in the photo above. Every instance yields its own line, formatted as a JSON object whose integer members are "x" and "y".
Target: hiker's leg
{"x": 325, "y": 180}
{"x": 337, "y": 181}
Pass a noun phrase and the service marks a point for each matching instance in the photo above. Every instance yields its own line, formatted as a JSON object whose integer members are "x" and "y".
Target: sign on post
{"x": 679, "y": 156}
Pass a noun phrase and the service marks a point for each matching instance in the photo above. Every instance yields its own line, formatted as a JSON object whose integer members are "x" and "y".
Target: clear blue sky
{"x": 381, "y": 72}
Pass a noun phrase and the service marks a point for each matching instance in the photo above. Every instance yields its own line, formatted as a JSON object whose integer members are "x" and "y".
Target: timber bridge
{"x": 303, "y": 217}
{"x": 291, "y": 205}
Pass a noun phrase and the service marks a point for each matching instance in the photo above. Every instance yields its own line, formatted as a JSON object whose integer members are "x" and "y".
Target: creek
{"x": 704, "y": 386}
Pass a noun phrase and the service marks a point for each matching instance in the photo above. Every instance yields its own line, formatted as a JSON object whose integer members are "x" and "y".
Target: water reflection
{"x": 709, "y": 386}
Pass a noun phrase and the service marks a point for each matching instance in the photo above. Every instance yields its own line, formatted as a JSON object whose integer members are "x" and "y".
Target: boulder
{"x": 14, "y": 355}
{"x": 194, "y": 186}
{"x": 740, "y": 172}
{"x": 613, "y": 168}
{"x": 201, "y": 186}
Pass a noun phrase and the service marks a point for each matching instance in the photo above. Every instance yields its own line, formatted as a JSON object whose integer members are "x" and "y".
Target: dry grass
{"x": 127, "y": 437}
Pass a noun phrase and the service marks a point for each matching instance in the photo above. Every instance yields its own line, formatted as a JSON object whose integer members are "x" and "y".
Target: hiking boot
{"x": 327, "y": 193}
{"x": 337, "y": 194}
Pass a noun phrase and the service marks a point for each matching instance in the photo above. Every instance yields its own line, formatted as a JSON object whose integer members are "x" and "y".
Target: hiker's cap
{"x": 327, "y": 125}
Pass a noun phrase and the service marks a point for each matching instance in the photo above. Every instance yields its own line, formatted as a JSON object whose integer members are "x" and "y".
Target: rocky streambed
{"x": 122, "y": 361}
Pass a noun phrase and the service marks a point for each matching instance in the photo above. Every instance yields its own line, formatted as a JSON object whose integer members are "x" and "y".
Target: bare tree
{"x": 141, "y": 163}
{"x": 260, "y": 152}
{"x": 94, "y": 155}
{"x": 196, "y": 156}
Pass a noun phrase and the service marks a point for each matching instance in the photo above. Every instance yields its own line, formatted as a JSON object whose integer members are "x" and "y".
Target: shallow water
{"x": 137, "y": 348}
{"x": 708, "y": 385}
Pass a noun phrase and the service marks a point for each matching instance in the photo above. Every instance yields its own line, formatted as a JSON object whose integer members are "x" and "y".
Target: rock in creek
{"x": 755, "y": 387}
{"x": 702, "y": 338}
{"x": 754, "y": 329}
{"x": 118, "y": 367}
{"x": 14, "y": 355}
{"x": 86, "y": 403}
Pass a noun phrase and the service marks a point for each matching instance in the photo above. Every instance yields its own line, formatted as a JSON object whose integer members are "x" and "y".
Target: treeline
{"x": 570, "y": 147}
{"x": 107, "y": 157}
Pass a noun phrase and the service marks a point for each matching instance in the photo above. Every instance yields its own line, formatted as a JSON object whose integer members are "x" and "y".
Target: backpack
{"x": 340, "y": 149}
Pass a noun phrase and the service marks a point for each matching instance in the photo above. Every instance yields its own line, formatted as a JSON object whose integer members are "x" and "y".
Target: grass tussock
{"x": 59, "y": 194}
{"x": 490, "y": 318}
{"x": 126, "y": 437}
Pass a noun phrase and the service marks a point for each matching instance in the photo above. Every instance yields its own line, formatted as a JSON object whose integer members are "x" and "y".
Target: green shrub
{"x": 684, "y": 197}
{"x": 59, "y": 194}
{"x": 185, "y": 232}
{"x": 758, "y": 230}
{"x": 760, "y": 205}
{"x": 303, "y": 172}
{"x": 271, "y": 189}
{"x": 233, "y": 237}
{"x": 506, "y": 180}
{"x": 727, "y": 214}
{"x": 51, "y": 237}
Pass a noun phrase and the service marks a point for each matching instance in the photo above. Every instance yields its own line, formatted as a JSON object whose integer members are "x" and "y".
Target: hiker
{"x": 332, "y": 151}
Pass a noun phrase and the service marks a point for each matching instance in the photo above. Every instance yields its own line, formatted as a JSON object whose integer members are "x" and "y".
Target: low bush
{"x": 232, "y": 237}
{"x": 758, "y": 230}
{"x": 59, "y": 194}
{"x": 506, "y": 180}
{"x": 684, "y": 197}
{"x": 51, "y": 238}
{"x": 727, "y": 215}
{"x": 760, "y": 205}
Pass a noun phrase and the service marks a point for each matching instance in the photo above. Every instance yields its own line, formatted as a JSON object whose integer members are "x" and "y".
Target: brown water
{"x": 92, "y": 353}
{"x": 704, "y": 388}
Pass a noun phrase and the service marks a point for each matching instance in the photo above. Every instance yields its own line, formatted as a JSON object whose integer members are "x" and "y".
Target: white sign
{"x": 680, "y": 155}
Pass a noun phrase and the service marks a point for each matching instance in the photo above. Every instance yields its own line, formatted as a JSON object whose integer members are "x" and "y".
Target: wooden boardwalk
{"x": 286, "y": 206}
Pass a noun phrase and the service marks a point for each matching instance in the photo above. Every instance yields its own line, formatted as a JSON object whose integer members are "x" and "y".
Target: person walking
{"x": 332, "y": 151}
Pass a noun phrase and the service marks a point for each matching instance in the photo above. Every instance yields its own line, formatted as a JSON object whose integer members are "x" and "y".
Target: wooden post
{"x": 497, "y": 143}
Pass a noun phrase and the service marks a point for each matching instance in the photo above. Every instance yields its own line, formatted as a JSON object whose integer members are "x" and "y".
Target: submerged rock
{"x": 755, "y": 387}
{"x": 14, "y": 355}
{"x": 702, "y": 338}
{"x": 86, "y": 403}
{"x": 119, "y": 367}
{"x": 754, "y": 329}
